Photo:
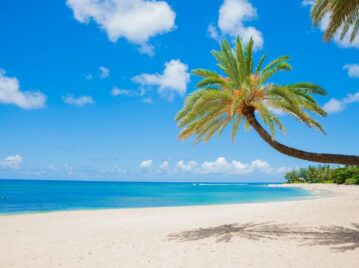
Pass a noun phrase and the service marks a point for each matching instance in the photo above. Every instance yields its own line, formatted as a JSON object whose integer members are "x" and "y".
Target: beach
{"x": 322, "y": 231}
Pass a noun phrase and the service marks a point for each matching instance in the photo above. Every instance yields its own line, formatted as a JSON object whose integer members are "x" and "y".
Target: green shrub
{"x": 352, "y": 181}
{"x": 340, "y": 175}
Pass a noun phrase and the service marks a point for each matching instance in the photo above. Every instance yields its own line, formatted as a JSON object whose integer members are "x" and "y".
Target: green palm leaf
{"x": 221, "y": 100}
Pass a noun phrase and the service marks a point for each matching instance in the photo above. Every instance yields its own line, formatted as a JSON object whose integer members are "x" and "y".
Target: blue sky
{"x": 89, "y": 89}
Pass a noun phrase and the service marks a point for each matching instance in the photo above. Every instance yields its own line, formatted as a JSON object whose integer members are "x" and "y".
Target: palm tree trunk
{"x": 315, "y": 157}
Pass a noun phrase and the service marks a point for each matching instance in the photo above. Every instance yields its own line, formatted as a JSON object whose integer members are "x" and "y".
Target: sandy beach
{"x": 318, "y": 232}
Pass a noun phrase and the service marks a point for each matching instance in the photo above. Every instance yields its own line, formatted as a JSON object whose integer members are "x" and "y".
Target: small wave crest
{"x": 219, "y": 184}
{"x": 273, "y": 185}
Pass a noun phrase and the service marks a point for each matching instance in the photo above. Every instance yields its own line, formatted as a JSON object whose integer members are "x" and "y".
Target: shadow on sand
{"x": 339, "y": 238}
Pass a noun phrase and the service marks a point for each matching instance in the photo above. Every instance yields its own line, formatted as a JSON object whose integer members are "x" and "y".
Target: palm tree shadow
{"x": 339, "y": 238}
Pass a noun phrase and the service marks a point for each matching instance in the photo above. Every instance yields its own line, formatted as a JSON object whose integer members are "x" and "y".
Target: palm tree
{"x": 244, "y": 93}
{"x": 343, "y": 13}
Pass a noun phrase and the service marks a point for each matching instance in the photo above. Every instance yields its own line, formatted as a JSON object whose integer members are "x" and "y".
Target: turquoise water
{"x": 21, "y": 196}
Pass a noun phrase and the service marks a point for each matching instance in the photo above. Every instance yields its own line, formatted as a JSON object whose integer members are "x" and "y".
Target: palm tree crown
{"x": 241, "y": 92}
{"x": 242, "y": 89}
{"x": 342, "y": 13}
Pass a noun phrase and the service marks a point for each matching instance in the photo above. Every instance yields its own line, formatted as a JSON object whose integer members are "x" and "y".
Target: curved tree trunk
{"x": 315, "y": 157}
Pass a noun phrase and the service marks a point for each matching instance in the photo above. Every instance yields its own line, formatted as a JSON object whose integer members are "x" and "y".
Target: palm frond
{"x": 224, "y": 99}
{"x": 343, "y": 14}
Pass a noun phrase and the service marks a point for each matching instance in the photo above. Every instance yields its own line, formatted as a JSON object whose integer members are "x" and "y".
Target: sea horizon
{"x": 145, "y": 181}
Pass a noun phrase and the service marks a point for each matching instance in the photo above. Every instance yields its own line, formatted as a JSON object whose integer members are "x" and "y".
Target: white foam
{"x": 221, "y": 184}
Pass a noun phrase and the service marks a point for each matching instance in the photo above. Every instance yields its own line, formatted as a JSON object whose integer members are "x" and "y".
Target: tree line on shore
{"x": 324, "y": 174}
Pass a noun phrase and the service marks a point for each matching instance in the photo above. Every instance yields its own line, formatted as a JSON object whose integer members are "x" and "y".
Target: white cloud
{"x": 78, "y": 101}
{"x": 260, "y": 165}
{"x": 11, "y": 162}
{"x": 104, "y": 72}
{"x": 51, "y": 167}
{"x": 335, "y": 105}
{"x": 146, "y": 164}
{"x": 121, "y": 92}
{"x": 135, "y": 20}
{"x": 224, "y": 167}
{"x": 231, "y": 21}
{"x": 118, "y": 170}
{"x": 353, "y": 70}
{"x": 115, "y": 92}
{"x": 212, "y": 30}
{"x": 172, "y": 81}
{"x": 165, "y": 166}
{"x": 10, "y": 93}
{"x": 68, "y": 169}
{"x": 351, "y": 98}
{"x": 186, "y": 167}
{"x": 148, "y": 100}
{"x": 306, "y": 3}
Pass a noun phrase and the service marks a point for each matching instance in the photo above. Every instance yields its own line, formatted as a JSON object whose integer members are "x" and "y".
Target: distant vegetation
{"x": 324, "y": 174}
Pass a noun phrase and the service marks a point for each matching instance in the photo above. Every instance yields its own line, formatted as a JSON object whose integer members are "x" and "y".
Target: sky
{"x": 89, "y": 89}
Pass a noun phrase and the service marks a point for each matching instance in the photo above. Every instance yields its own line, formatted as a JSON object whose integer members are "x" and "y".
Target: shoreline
{"x": 159, "y": 208}
{"x": 320, "y": 190}
{"x": 298, "y": 233}
{"x": 314, "y": 195}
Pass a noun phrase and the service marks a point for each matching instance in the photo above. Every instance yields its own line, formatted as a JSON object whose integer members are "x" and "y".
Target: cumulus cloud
{"x": 187, "y": 167}
{"x": 51, "y": 167}
{"x": 146, "y": 164}
{"x": 337, "y": 105}
{"x": 10, "y": 93}
{"x": 11, "y": 162}
{"x": 165, "y": 166}
{"x": 148, "y": 100}
{"x": 121, "y": 92}
{"x": 213, "y": 32}
{"x": 78, "y": 101}
{"x": 306, "y": 3}
{"x": 104, "y": 72}
{"x": 334, "y": 106}
{"x": 224, "y": 167}
{"x": 173, "y": 81}
{"x": 135, "y": 20}
{"x": 116, "y": 92}
{"x": 68, "y": 169}
{"x": 231, "y": 22}
{"x": 115, "y": 171}
{"x": 353, "y": 70}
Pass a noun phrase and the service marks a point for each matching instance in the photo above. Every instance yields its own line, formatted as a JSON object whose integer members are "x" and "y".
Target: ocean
{"x": 28, "y": 196}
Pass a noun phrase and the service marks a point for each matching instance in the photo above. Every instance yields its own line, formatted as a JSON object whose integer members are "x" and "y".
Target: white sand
{"x": 140, "y": 237}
